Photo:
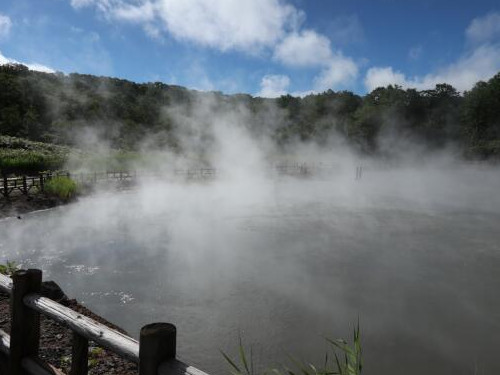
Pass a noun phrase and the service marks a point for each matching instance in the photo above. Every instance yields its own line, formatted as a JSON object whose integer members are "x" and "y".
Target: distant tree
{"x": 481, "y": 119}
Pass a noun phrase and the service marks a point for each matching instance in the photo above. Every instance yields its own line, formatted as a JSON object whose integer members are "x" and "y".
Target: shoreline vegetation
{"x": 66, "y": 118}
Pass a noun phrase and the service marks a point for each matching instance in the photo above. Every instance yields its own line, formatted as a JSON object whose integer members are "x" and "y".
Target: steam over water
{"x": 414, "y": 253}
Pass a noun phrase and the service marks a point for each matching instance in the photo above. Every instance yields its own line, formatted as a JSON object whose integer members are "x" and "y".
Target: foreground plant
{"x": 343, "y": 359}
{"x": 61, "y": 187}
{"x": 9, "y": 268}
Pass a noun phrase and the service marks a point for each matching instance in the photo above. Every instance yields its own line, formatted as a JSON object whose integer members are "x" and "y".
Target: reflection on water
{"x": 301, "y": 263}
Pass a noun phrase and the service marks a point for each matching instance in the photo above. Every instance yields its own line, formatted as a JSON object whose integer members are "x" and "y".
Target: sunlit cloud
{"x": 302, "y": 49}
{"x": 220, "y": 24}
{"x": 32, "y": 66}
{"x": 273, "y": 86}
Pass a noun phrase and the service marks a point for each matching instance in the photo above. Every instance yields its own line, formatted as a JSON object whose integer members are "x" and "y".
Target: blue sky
{"x": 260, "y": 47}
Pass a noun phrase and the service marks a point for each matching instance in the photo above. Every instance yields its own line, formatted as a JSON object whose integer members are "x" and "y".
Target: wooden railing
{"x": 25, "y": 184}
{"x": 154, "y": 353}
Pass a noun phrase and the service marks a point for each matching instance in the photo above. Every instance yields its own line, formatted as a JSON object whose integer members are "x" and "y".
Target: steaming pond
{"x": 414, "y": 254}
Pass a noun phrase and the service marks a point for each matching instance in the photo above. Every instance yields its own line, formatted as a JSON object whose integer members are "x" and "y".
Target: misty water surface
{"x": 414, "y": 254}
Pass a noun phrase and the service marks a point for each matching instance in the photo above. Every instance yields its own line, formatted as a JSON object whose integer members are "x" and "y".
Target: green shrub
{"x": 8, "y": 268}
{"x": 61, "y": 187}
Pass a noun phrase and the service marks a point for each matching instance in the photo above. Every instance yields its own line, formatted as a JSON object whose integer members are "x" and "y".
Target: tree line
{"x": 57, "y": 108}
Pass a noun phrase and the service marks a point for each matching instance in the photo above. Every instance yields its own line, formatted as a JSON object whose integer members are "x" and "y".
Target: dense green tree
{"x": 59, "y": 108}
{"x": 481, "y": 118}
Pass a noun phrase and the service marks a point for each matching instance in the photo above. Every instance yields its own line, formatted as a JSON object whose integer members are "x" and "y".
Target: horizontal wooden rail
{"x": 157, "y": 355}
{"x": 175, "y": 367}
{"x": 109, "y": 338}
{"x": 30, "y": 365}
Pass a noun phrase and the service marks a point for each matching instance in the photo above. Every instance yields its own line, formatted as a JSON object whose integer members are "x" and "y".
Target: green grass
{"x": 8, "y": 268}
{"x": 21, "y": 156}
{"x": 28, "y": 162}
{"x": 342, "y": 359}
{"x": 61, "y": 187}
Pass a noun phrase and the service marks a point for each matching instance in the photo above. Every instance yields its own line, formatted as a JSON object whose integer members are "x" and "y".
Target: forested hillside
{"x": 58, "y": 108}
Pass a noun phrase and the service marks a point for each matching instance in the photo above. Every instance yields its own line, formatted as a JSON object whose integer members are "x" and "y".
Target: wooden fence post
{"x": 41, "y": 182}
{"x": 5, "y": 187}
{"x": 157, "y": 343}
{"x": 25, "y": 186}
{"x": 25, "y": 323}
{"x": 79, "y": 355}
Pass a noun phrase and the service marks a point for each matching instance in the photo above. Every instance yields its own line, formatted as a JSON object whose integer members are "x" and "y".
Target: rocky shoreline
{"x": 18, "y": 205}
{"x": 55, "y": 342}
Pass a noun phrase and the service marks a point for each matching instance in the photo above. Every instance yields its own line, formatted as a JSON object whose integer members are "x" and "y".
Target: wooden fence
{"x": 26, "y": 184}
{"x": 154, "y": 353}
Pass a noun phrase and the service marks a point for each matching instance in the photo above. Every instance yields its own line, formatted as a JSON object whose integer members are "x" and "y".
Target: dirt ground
{"x": 55, "y": 343}
{"x": 18, "y": 205}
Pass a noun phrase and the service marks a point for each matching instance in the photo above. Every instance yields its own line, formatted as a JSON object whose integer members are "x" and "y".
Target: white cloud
{"x": 5, "y": 26}
{"x": 383, "y": 76}
{"x": 142, "y": 13}
{"x": 484, "y": 29}
{"x": 273, "y": 86}
{"x": 102, "y": 4}
{"x": 341, "y": 70}
{"x": 249, "y": 26}
{"x": 306, "y": 48}
{"x": 32, "y": 66}
{"x": 481, "y": 64}
{"x": 476, "y": 64}
{"x": 219, "y": 24}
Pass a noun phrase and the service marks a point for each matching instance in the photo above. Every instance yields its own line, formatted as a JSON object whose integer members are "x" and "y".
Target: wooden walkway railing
{"x": 24, "y": 184}
{"x": 154, "y": 353}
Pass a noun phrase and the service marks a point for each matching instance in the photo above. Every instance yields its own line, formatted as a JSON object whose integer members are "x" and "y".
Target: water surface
{"x": 414, "y": 255}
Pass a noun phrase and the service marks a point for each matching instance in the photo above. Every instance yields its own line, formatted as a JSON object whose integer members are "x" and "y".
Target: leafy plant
{"x": 245, "y": 367}
{"x": 344, "y": 359}
{"x": 9, "y": 268}
{"x": 61, "y": 187}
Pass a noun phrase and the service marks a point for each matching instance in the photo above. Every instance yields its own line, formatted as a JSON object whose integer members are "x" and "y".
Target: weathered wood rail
{"x": 155, "y": 353}
{"x": 26, "y": 184}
